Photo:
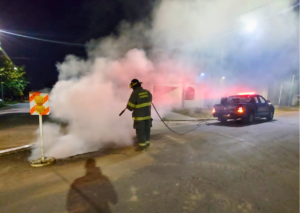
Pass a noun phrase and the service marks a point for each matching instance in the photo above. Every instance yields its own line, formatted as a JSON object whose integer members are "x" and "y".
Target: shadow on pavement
{"x": 92, "y": 192}
{"x": 240, "y": 123}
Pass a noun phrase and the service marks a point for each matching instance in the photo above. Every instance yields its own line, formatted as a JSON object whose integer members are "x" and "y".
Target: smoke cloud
{"x": 251, "y": 43}
{"x": 91, "y": 98}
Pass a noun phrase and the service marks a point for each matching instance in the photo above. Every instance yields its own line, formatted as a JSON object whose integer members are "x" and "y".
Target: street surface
{"x": 17, "y": 125}
{"x": 15, "y": 108}
{"x": 214, "y": 169}
{"x": 17, "y": 129}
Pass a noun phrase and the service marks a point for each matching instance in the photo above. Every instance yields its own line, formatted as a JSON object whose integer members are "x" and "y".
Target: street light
{"x": 202, "y": 74}
{"x": 251, "y": 25}
{"x": 223, "y": 77}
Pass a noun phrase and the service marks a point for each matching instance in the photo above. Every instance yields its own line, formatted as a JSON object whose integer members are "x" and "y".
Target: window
{"x": 262, "y": 100}
{"x": 252, "y": 100}
{"x": 189, "y": 93}
{"x": 256, "y": 99}
{"x": 239, "y": 99}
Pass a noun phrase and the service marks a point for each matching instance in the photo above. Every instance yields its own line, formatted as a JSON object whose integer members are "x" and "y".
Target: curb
{"x": 192, "y": 123}
{"x": 15, "y": 150}
{"x": 283, "y": 112}
{"x": 193, "y": 120}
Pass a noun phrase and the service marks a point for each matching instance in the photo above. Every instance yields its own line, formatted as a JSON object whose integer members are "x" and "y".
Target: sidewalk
{"x": 158, "y": 124}
{"x": 16, "y": 129}
{"x": 173, "y": 119}
{"x": 282, "y": 109}
{"x": 172, "y": 116}
{"x": 15, "y": 150}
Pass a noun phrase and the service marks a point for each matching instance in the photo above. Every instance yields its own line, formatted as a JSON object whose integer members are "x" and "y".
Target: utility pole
{"x": 222, "y": 55}
{"x": 220, "y": 86}
{"x": 291, "y": 96}
{"x": 1, "y": 49}
{"x": 2, "y": 91}
{"x": 183, "y": 94}
{"x": 280, "y": 94}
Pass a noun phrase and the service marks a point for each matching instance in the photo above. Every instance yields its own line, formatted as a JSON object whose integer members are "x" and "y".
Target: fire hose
{"x": 197, "y": 126}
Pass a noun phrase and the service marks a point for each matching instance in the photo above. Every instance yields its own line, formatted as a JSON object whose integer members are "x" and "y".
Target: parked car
{"x": 245, "y": 106}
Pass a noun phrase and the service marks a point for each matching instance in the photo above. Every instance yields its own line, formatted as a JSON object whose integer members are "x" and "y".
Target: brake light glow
{"x": 214, "y": 110}
{"x": 246, "y": 93}
{"x": 240, "y": 110}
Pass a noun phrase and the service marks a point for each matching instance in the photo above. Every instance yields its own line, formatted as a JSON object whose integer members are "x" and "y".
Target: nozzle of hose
{"x": 122, "y": 112}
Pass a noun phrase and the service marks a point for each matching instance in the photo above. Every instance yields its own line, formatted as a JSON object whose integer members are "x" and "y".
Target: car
{"x": 245, "y": 106}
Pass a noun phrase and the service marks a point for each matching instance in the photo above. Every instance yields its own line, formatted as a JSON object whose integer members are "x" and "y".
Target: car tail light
{"x": 214, "y": 110}
{"x": 240, "y": 110}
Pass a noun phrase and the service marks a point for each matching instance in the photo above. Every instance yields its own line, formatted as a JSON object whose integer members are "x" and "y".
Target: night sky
{"x": 74, "y": 21}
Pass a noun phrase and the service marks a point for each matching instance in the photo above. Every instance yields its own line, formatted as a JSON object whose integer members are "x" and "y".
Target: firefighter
{"x": 140, "y": 103}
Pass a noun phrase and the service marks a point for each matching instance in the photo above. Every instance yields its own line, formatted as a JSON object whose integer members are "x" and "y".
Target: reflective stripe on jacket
{"x": 140, "y": 103}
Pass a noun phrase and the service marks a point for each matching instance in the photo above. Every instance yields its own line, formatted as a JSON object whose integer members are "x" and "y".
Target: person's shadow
{"x": 92, "y": 192}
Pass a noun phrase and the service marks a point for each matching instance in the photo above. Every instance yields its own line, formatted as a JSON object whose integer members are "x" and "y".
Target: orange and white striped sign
{"x": 39, "y": 104}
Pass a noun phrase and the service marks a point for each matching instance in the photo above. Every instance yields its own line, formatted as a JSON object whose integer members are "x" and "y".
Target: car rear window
{"x": 239, "y": 99}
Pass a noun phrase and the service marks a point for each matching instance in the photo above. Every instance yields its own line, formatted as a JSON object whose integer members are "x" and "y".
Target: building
{"x": 197, "y": 95}
{"x": 178, "y": 95}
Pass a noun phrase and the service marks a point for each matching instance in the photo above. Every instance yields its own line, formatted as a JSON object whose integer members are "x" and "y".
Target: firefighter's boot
{"x": 141, "y": 147}
{"x": 147, "y": 146}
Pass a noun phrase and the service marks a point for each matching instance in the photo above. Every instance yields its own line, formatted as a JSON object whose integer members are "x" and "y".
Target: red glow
{"x": 214, "y": 110}
{"x": 240, "y": 110}
{"x": 246, "y": 93}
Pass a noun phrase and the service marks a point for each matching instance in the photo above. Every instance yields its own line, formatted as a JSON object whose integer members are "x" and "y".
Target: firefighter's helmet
{"x": 134, "y": 82}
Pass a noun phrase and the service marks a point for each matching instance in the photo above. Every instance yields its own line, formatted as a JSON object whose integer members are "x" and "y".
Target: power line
{"x": 237, "y": 29}
{"x": 5, "y": 54}
{"x": 23, "y": 58}
{"x": 42, "y": 39}
{"x": 256, "y": 8}
{"x": 204, "y": 39}
{"x": 37, "y": 34}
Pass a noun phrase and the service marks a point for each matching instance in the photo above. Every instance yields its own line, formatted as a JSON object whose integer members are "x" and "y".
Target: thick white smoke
{"x": 91, "y": 98}
{"x": 185, "y": 39}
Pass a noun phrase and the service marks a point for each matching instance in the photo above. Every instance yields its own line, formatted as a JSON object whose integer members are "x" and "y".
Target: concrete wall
{"x": 199, "y": 97}
{"x": 263, "y": 92}
{"x": 176, "y": 96}
{"x": 173, "y": 98}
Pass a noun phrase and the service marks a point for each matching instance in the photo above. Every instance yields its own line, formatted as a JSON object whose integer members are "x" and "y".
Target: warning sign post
{"x": 39, "y": 105}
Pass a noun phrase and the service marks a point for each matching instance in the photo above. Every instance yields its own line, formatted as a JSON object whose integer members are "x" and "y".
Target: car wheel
{"x": 270, "y": 116}
{"x": 250, "y": 118}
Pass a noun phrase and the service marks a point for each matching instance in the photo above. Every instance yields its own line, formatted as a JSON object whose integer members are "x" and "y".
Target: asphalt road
{"x": 214, "y": 169}
{"x": 15, "y": 108}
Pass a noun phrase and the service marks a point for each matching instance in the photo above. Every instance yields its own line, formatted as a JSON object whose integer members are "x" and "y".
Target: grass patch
{"x": 11, "y": 102}
{"x": 286, "y": 109}
{"x": 186, "y": 112}
{"x": 194, "y": 112}
{"x": 6, "y": 103}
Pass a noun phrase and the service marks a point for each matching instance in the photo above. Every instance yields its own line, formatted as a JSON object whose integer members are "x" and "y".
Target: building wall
{"x": 199, "y": 97}
{"x": 173, "y": 94}
{"x": 176, "y": 97}
{"x": 168, "y": 94}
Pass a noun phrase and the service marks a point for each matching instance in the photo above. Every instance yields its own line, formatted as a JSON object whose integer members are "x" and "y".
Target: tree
{"x": 12, "y": 78}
